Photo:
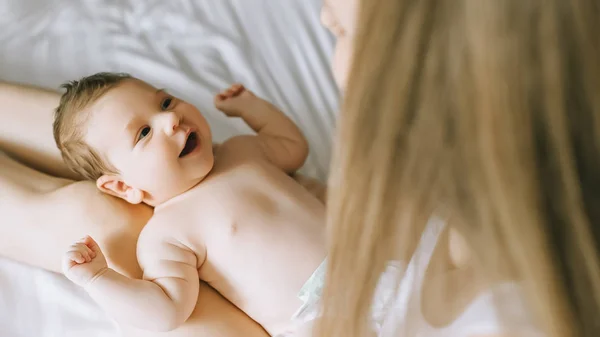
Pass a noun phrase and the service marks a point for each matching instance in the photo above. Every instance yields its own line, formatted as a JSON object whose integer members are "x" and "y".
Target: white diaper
{"x": 312, "y": 291}
{"x": 310, "y": 295}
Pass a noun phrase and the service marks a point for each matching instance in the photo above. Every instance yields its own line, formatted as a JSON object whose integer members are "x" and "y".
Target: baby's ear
{"x": 113, "y": 185}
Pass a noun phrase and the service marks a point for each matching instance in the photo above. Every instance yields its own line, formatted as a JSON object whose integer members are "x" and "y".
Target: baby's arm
{"x": 162, "y": 301}
{"x": 280, "y": 140}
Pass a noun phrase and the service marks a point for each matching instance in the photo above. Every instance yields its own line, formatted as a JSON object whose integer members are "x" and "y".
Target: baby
{"x": 233, "y": 217}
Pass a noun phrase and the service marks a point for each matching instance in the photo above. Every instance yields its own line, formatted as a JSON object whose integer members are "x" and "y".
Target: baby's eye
{"x": 166, "y": 103}
{"x": 144, "y": 132}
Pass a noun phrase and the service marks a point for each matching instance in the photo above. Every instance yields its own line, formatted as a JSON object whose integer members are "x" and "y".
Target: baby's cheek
{"x": 149, "y": 173}
{"x": 163, "y": 169}
{"x": 191, "y": 113}
{"x": 203, "y": 126}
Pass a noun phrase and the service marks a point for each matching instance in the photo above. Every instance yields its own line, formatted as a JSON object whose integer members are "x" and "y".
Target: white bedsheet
{"x": 193, "y": 48}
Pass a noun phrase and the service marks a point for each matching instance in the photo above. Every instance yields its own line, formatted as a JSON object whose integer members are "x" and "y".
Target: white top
{"x": 399, "y": 313}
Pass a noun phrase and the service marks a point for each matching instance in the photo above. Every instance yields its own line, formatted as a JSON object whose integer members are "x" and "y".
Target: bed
{"x": 193, "y": 48}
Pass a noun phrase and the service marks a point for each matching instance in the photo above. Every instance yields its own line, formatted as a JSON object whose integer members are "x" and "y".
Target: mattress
{"x": 193, "y": 48}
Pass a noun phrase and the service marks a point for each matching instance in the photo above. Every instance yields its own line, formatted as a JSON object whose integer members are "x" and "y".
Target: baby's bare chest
{"x": 247, "y": 201}
{"x": 249, "y": 225}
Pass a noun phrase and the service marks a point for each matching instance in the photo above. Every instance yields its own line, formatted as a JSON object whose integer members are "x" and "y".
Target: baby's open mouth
{"x": 190, "y": 145}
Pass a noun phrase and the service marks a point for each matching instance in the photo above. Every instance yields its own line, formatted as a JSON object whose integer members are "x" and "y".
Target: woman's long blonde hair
{"x": 490, "y": 109}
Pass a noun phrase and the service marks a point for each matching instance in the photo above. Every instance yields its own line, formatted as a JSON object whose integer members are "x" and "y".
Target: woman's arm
{"x": 26, "y": 115}
{"x": 41, "y": 215}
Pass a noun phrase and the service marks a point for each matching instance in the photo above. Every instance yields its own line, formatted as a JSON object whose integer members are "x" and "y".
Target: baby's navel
{"x": 233, "y": 228}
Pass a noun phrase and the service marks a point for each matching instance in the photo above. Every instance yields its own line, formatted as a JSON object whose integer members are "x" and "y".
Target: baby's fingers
{"x": 71, "y": 259}
{"x": 232, "y": 91}
{"x": 92, "y": 245}
{"x": 75, "y": 256}
{"x": 86, "y": 251}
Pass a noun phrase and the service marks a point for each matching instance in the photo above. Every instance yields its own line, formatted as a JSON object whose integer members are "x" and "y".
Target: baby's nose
{"x": 172, "y": 123}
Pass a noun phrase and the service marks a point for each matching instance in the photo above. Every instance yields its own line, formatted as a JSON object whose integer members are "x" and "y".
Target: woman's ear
{"x": 113, "y": 185}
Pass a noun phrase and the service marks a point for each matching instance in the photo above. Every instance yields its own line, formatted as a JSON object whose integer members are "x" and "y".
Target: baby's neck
{"x": 178, "y": 197}
{"x": 174, "y": 199}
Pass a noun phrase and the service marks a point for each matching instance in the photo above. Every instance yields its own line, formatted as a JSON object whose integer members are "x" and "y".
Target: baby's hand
{"x": 235, "y": 100}
{"x": 83, "y": 262}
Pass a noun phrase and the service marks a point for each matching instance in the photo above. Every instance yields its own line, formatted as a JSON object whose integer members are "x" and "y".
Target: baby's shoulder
{"x": 164, "y": 228}
{"x": 163, "y": 225}
{"x": 159, "y": 242}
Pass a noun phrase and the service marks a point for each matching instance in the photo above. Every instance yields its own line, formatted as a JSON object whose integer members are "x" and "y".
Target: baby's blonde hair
{"x": 70, "y": 120}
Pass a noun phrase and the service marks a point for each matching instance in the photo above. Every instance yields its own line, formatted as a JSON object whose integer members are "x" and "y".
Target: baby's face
{"x": 161, "y": 145}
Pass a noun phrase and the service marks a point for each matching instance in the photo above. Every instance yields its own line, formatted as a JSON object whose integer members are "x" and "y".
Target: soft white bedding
{"x": 191, "y": 47}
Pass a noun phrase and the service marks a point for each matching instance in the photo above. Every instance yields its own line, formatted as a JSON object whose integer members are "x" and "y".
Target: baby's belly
{"x": 262, "y": 271}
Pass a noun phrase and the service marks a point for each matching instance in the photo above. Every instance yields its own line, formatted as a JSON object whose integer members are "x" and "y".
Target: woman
{"x": 483, "y": 113}
{"x": 454, "y": 168}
